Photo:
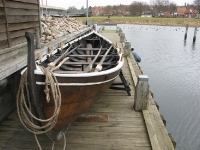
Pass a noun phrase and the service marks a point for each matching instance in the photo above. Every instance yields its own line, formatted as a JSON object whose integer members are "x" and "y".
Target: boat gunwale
{"x": 38, "y": 71}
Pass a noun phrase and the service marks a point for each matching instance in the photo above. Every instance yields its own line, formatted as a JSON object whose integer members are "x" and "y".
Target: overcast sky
{"x": 79, "y": 3}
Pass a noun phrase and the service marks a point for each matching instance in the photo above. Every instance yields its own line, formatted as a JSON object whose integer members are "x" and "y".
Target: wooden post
{"x": 122, "y": 37}
{"x": 127, "y": 48}
{"x": 142, "y": 93}
{"x": 195, "y": 34}
{"x": 186, "y": 31}
{"x": 38, "y": 43}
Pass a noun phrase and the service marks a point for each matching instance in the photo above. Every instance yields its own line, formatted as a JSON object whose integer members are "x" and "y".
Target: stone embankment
{"x": 53, "y": 28}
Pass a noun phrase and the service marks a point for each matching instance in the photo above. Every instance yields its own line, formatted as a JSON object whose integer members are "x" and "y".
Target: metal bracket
{"x": 125, "y": 83}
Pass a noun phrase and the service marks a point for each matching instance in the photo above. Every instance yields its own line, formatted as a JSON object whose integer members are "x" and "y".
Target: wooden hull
{"x": 76, "y": 96}
{"x": 91, "y": 64}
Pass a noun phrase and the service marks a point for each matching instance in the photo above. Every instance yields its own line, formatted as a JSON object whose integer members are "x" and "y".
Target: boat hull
{"x": 77, "y": 94}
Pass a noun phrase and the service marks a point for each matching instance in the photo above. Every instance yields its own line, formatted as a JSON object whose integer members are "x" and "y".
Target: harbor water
{"x": 173, "y": 67}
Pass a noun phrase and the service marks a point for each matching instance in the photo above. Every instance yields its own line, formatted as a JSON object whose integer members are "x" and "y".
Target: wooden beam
{"x": 6, "y": 19}
{"x": 25, "y": 25}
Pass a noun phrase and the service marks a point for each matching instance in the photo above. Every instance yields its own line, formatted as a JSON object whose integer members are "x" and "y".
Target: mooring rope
{"x": 24, "y": 111}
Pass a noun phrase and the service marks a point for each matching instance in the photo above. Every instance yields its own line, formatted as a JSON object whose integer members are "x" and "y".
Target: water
{"x": 173, "y": 67}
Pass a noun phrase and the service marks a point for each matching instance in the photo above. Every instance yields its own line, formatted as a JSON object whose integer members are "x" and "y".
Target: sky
{"x": 79, "y": 3}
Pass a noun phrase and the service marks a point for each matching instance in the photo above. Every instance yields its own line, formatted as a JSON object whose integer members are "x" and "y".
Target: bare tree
{"x": 137, "y": 8}
{"x": 197, "y": 3}
{"x": 108, "y": 9}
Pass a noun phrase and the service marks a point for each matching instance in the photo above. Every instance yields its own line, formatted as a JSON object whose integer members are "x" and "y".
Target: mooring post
{"x": 195, "y": 34}
{"x": 122, "y": 37}
{"x": 120, "y": 32}
{"x": 127, "y": 48}
{"x": 186, "y": 31}
{"x": 142, "y": 93}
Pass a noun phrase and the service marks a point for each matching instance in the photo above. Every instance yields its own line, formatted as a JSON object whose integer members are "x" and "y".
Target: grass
{"x": 147, "y": 21}
{"x": 108, "y": 31}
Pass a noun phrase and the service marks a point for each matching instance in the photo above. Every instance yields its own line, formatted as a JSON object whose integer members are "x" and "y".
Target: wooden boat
{"x": 92, "y": 65}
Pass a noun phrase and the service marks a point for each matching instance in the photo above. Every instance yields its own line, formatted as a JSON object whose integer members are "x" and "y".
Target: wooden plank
{"x": 2, "y": 28}
{"x": 3, "y": 44}
{"x": 2, "y": 19}
{"x": 15, "y": 4}
{"x": 1, "y": 3}
{"x": 2, "y": 11}
{"x": 27, "y": 1}
{"x": 3, "y": 36}
{"x": 93, "y": 118}
{"x": 161, "y": 132}
{"x": 19, "y": 33}
{"x": 17, "y": 40}
{"x": 24, "y": 18}
{"x": 21, "y": 12}
{"x": 18, "y": 26}
{"x": 151, "y": 131}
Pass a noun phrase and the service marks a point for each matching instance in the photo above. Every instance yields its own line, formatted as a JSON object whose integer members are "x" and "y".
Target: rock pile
{"x": 53, "y": 28}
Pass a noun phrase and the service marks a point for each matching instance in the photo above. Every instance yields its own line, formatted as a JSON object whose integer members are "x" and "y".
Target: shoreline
{"x": 180, "y": 22}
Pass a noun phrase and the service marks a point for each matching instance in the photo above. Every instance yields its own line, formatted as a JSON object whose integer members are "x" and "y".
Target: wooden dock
{"x": 125, "y": 128}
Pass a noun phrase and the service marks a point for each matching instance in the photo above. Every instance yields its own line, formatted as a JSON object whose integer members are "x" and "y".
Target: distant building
{"x": 79, "y": 13}
{"x": 52, "y": 11}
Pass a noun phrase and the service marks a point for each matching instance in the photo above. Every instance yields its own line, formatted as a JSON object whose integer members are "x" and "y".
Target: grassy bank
{"x": 147, "y": 21}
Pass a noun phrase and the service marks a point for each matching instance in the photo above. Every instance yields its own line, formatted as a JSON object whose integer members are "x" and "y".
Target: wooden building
{"x": 16, "y": 17}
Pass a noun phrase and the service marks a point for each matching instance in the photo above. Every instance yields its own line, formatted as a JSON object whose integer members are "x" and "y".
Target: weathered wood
{"x": 3, "y": 44}
{"x": 16, "y": 4}
{"x": 38, "y": 42}
{"x": 92, "y": 118}
{"x": 3, "y": 36}
{"x": 142, "y": 93}
{"x": 21, "y": 12}
{"x": 24, "y": 18}
{"x": 2, "y": 20}
{"x": 1, "y": 3}
{"x": 6, "y": 21}
{"x": 19, "y": 33}
{"x": 20, "y": 26}
{"x": 2, "y": 28}
{"x": 158, "y": 128}
{"x": 2, "y": 11}
{"x": 172, "y": 139}
{"x": 163, "y": 119}
{"x": 17, "y": 40}
{"x": 195, "y": 34}
{"x": 27, "y": 1}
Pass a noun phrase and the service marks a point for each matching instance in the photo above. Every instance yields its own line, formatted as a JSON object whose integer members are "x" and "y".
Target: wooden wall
{"x": 16, "y": 17}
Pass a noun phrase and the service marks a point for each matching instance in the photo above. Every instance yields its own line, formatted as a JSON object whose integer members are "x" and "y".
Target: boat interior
{"x": 91, "y": 53}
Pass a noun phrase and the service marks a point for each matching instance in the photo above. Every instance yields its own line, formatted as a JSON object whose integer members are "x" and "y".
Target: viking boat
{"x": 84, "y": 68}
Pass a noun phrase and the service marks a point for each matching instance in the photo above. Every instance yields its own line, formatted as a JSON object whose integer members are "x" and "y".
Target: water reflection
{"x": 172, "y": 65}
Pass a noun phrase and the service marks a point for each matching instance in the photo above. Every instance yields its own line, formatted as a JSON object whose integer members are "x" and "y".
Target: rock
{"x": 53, "y": 28}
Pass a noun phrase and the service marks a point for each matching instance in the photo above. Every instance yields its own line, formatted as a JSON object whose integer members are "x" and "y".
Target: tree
{"x": 137, "y": 8}
{"x": 197, "y": 3}
{"x": 108, "y": 9}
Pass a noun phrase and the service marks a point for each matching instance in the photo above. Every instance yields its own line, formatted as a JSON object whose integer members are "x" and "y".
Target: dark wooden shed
{"x": 16, "y": 17}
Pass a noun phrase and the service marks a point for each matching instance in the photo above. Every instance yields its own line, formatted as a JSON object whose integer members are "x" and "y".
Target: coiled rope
{"x": 27, "y": 118}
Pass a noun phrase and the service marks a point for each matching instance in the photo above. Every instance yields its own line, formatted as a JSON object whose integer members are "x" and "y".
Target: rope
{"x": 24, "y": 111}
